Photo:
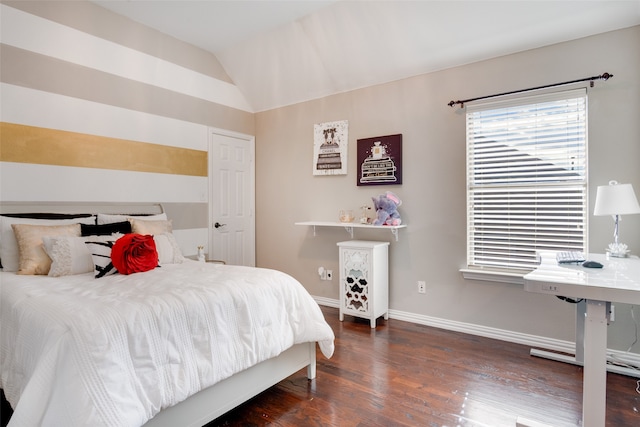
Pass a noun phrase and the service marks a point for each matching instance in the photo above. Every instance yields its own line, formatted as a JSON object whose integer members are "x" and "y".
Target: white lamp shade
{"x": 616, "y": 199}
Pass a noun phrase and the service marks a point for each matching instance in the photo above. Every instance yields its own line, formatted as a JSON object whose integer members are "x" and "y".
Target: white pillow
{"x": 168, "y": 249}
{"x": 70, "y": 255}
{"x": 9, "y": 254}
{"x": 109, "y": 218}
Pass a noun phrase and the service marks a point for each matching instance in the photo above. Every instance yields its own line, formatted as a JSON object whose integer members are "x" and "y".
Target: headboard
{"x": 66, "y": 209}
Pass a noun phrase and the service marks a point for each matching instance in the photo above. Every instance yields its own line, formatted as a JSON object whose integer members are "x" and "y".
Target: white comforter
{"x": 78, "y": 351}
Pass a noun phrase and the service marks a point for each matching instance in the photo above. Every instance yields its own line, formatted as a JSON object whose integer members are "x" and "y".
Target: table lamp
{"x": 616, "y": 199}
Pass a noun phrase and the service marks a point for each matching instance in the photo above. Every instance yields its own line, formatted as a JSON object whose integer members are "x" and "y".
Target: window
{"x": 526, "y": 179}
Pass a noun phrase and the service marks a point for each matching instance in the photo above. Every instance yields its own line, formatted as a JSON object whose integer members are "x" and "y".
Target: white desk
{"x": 618, "y": 281}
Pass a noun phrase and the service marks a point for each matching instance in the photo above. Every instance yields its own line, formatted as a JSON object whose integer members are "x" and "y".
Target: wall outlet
{"x": 329, "y": 274}
{"x": 422, "y": 287}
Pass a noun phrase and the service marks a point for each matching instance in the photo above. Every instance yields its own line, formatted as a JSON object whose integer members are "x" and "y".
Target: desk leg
{"x": 581, "y": 313}
{"x": 594, "y": 388}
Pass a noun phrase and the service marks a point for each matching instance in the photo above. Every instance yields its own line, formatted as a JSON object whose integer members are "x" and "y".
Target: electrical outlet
{"x": 422, "y": 287}
{"x": 329, "y": 274}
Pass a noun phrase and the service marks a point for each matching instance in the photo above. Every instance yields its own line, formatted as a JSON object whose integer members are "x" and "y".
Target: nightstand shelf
{"x": 364, "y": 279}
{"x": 350, "y": 226}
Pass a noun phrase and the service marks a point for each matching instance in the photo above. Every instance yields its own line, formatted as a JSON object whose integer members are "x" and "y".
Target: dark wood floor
{"x": 402, "y": 374}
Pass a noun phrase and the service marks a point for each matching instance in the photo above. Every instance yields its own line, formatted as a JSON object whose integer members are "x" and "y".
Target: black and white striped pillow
{"x": 101, "y": 254}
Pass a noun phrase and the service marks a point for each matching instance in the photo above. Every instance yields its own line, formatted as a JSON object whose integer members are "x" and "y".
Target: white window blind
{"x": 526, "y": 179}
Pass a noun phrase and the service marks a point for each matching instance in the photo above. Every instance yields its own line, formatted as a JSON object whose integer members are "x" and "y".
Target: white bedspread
{"x": 78, "y": 351}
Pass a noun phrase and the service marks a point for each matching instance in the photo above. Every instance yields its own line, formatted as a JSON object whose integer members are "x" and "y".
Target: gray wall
{"x": 433, "y": 247}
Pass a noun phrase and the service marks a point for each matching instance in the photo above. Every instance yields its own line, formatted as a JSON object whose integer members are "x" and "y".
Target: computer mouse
{"x": 592, "y": 264}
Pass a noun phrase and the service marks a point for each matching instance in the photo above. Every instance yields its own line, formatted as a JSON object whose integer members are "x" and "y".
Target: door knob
{"x": 218, "y": 225}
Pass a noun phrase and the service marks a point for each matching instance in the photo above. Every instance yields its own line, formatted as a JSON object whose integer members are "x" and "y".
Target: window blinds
{"x": 526, "y": 179}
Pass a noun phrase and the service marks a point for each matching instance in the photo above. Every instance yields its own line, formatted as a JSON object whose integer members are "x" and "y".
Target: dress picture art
{"x": 330, "y": 142}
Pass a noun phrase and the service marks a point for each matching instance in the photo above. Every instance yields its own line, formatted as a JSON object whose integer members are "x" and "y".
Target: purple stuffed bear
{"x": 386, "y": 206}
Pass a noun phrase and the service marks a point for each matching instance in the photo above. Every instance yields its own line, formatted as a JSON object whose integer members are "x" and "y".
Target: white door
{"x": 231, "y": 198}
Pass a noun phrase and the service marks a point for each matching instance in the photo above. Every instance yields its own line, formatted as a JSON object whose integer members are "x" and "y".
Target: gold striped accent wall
{"x": 29, "y": 144}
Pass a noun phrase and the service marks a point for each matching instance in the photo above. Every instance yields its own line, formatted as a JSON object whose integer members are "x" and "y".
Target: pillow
{"x": 33, "y": 259}
{"x": 101, "y": 256}
{"x": 168, "y": 250}
{"x": 70, "y": 255}
{"x": 134, "y": 253}
{"x": 8, "y": 244}
{"x": 123, "y": 227}
{"x": 150, "y": 227}
{"x": 108, "y": 218}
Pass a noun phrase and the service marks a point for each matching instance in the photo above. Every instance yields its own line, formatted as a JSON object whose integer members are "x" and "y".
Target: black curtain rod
{"x": 604, "y": 76}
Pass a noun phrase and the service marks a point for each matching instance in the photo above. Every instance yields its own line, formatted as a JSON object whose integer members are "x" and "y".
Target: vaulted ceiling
{"x": 284, "y": 52}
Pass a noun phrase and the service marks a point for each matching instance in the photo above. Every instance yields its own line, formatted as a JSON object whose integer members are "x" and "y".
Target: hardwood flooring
{"x": 403, "y": 374}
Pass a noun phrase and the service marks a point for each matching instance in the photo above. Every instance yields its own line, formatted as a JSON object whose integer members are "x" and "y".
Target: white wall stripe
{"x": 32, "y": 182}
{"x": 36, "y": 34}
{"x": 32, "y": 107}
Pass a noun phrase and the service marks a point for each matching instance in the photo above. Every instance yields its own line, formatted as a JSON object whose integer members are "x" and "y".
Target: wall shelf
{"x": 350, "y": 226}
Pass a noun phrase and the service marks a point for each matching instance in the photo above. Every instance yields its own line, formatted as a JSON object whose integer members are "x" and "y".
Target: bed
{"x": 179, "y": 344}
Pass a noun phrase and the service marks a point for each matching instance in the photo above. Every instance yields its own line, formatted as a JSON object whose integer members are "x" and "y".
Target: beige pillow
{"x": 32, "y": 257}
{"x": 8, "y": 244}
{"x": 150, "y": 227}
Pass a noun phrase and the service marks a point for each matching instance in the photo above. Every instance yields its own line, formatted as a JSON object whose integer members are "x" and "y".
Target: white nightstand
{"x": 364, "y": 279}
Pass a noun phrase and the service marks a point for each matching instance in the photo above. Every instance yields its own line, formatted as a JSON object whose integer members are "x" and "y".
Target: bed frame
{"x": 208, "y": 404}
{"x": 220, "y": 398}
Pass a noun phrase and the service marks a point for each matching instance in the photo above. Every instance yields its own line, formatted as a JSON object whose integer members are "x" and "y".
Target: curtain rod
{"x": 604, "y": 76}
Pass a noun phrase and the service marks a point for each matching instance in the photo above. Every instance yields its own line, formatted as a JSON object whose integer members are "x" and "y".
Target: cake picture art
{"x": 380, "y": 160}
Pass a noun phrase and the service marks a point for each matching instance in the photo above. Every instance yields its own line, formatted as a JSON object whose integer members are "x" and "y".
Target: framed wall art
{"x": 330, "y": 142}
{"x": 380, "y": 160}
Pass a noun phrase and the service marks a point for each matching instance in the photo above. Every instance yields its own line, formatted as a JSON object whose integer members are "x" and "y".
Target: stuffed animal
{"x": 386, "y": 206}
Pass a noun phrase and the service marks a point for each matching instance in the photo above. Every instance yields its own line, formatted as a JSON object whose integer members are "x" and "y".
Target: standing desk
{"x": 617, "y": 281}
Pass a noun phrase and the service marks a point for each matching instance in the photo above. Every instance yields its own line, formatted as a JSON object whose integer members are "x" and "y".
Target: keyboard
{"x": 570, "y": 257}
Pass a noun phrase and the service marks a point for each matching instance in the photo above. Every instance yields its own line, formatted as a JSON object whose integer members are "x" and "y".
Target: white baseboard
{"x": 494, "y": 333}
{"x": 327, "y": 302}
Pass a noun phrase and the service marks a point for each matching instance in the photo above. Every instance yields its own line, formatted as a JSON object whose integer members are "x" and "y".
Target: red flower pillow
{"x": 134, "y": 253}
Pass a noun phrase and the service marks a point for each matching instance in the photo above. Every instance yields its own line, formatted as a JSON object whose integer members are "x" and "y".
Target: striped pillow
{"x": 101, "y": 255}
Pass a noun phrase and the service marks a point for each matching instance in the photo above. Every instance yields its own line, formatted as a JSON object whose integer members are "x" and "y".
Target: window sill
{"x": 493, "y": 276}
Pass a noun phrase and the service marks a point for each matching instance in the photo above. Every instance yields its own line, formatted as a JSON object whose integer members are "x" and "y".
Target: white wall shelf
{"x": 350, "y": 226}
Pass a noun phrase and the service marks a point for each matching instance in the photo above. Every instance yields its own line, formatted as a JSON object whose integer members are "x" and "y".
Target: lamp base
{"x": 617, "y": 250}
{"x": 618, "y": 254}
